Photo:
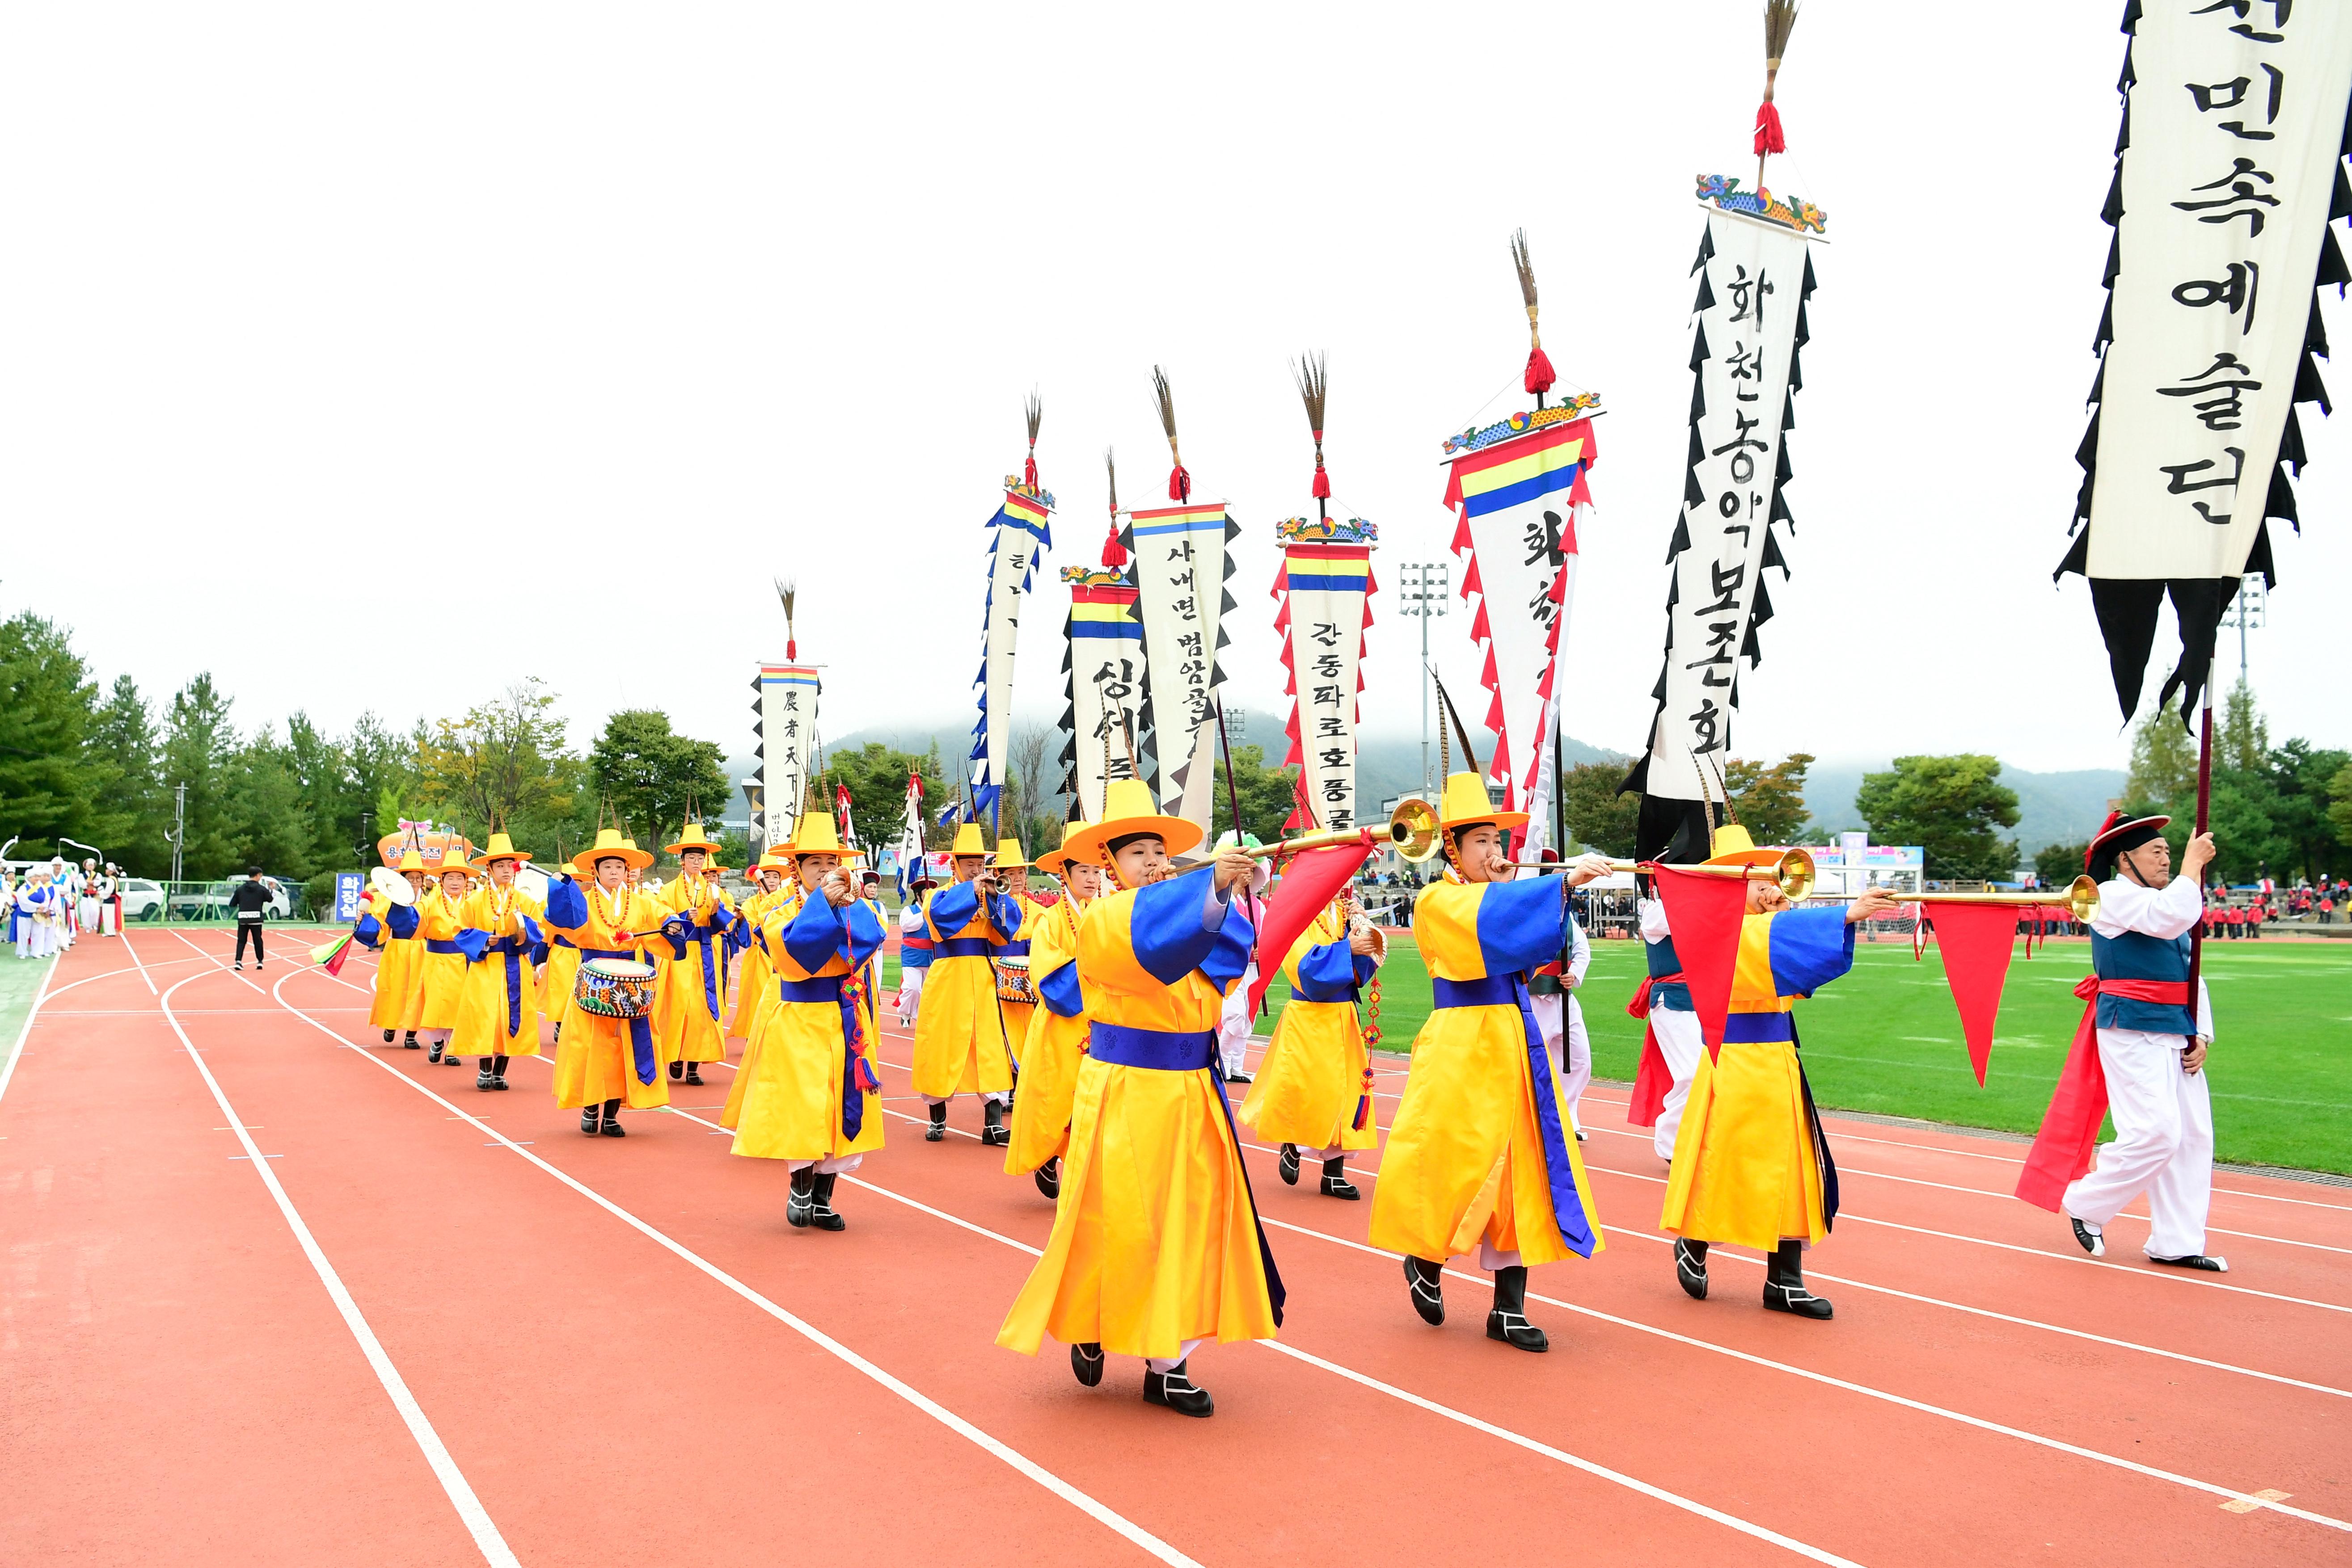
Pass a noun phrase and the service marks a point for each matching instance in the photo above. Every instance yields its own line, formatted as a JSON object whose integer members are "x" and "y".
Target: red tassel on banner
{"x": 1767, "y": 129}
{"x": 1322, "y": 491}
{"x": 1114, "y": 554}
{"x": 1540, "y": 377}
{"x": 1180, "y": 484}
{"x": 1029, "y": 469}
{"x": 792, "y": 651}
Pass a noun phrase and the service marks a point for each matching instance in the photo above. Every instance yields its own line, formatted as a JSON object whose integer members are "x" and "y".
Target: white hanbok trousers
{"x": 1679, "y": 1041}
{"x": 2163, "y": 1144}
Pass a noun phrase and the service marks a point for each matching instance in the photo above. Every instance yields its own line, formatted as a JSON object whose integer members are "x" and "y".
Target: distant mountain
{"x": 2052, "y": 808}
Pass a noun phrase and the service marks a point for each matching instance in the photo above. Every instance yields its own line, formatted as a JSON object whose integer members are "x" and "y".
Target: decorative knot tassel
{"x": 1114, "y": 554}
{"x": 792, "y": 651}
{"x": 1769, "y": 138}
{"x": 1540, "y": 376}
{"x": 1322, "y": 491}
{"x": 1180, "y": 484}
{"x": 1029, "y": 469}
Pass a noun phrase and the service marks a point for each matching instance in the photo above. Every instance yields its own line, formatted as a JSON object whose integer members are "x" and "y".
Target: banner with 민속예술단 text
{"x": 1105, "y": 723}
{"x": 2228, "y": 171}
{"x": 1017, "y": 534}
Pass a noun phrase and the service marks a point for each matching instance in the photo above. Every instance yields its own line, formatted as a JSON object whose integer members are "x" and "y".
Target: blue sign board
{"x": 347, "y": 894}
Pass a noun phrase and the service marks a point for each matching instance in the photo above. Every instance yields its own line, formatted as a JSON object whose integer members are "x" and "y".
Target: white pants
{"x": 910, "y": 995}
{"x": 90, "y": 915}
{"x": 1233, "y": 1025}
{"x": 1183, "y": 1354}
{"x": 836, "y": 1164}
{"x": 2163, "y": 1146}
{"x": 1680, "y": 1043}
{"x": 1576, "y": 1065}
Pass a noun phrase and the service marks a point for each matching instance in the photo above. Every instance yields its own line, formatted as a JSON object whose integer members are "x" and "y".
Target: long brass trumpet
{"x": 1412, "y": 831}
{"x": 2079, "y": 898}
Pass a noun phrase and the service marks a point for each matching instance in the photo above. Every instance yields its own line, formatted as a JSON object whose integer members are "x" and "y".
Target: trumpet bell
{"x": 1412, "y": 830}
{"x": 1795, "y": 875}
{"x": 393, "y": 885}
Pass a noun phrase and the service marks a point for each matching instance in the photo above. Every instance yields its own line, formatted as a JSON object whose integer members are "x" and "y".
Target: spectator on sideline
{"x": 249, "y": 898}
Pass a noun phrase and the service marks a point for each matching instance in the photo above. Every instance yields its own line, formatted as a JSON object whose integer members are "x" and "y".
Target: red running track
{"x": 434, "y": 1325}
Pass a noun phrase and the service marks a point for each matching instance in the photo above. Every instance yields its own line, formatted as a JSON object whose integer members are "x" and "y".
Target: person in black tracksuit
{"x": 248, "y": 900}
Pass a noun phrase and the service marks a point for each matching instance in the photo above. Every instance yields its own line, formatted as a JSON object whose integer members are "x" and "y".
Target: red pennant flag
{"x": 1309, "y": 883}
{"x": 1705, "y": 913}
{"x": 1976, "y": 940}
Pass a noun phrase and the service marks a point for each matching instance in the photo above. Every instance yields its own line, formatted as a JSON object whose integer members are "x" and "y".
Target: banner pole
{"x": 2204, "y": 807}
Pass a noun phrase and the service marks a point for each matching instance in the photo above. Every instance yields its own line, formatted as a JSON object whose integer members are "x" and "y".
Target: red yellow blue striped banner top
{"x": 1516, "y": 472}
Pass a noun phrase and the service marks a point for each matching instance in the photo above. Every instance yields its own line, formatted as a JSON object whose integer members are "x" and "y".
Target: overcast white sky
{"x": 351, "y": 354}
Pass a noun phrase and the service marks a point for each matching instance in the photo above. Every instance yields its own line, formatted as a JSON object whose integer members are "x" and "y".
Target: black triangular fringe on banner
{"x": 2099, "y": 381}
{"x": 2130, "y": 25}
{"x": 1674, "y": 597}
{"x": 2315, "y": 336}
{"x": 1698, "y": 400}
{"x": 2339, "y": 205}
{"x": 1065, "y": 656}
{"x": 1228, "y": 608}
{"x": 1698, "y": 348}
{"x": 1788, "y": 411}
{"x": 2280, "y": 504}
{"x": 1782, "y": 472}
{"x": 2111, "y": 212}
{"x": 1772, "y": 555}
{"x": 1232, "y": 532}
{"x": 1779, "y": 513}
{"x": 2078, "y": 554}
{"x": 2259, "y": 558}
{"x": 2087, "y": 452}
{"x": 2196, "y": 606}
{"x": 756, "y": 730}
{"x": 1681, "y": 541}
{"x": 1224, "y": 640}
{"x": 1698, "y": 453}
{"x": 2107, "y": 333}
{"x": 2123, "y": 132}
{"x": 2126, "y": 608}
{"x": 1705, "y": 246}
{"x": 2331, "y": 263}
{"x": 1658, "y": 691}
{"x": 1796, "y": 356}
{"x": 1692, "y": 494}
{"x": 2291, "y": 439}
{"x": 1705, "y": 295}
{"x": 2115, "y": 259}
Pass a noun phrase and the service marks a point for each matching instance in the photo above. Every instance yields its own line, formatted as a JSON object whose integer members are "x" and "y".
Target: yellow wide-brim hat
{"x": 501, "y": 848}
{"x": 818, "y": 834}
{"x": 1056, "y": 862}
{"x": 1732, "y": 846}
{"x": 777, "y": 858}
{"x": 1009, "y": 853}
{"x": 693, "y": 837}
{"x": 970, "y": 840}
{"x": 412, "y": 861}
{"x": 610, "y": 845}
{"x": 1128, "y": 809}
{"x": 1466, "y": 804}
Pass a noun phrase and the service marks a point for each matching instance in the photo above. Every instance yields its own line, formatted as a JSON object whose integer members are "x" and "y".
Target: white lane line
{"x": 132, "y": 948}
{"x": 487, "y": 1539}
{"x": 17, "y": 1051}
{"x": 238, "y": 975}
{"x": 1099, "y": 1513}
{"x": 111, "y": 974}
{"x": 1846, "y": 1136}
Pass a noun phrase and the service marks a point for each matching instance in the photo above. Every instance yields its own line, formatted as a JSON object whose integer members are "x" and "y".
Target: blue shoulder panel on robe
{"x": 1811, "y": 948}
{"x": 369, "y": 932}
{"x": 866, "y": 934}
{"x": 567, "y": 906}
{"x": 473, "y": 944}
{"x": 951, "y": 909}
{"x": 401, "y": 918}
{"x": 1175, "y": 925}
{"x": 1521, "y": 924}
{"x": 673, "y": 931}
{"x": 1331, "y": 973}
{"x": 1004, "y": 914}
{"x": 532, "y": 934}
{"x": 1059, "y": 991}
{"x": 815, "y": 935}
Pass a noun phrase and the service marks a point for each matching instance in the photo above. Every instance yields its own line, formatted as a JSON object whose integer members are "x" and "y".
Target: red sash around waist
{"x": 2069, "y": 1138}
{"x": 1654, "y": 1077}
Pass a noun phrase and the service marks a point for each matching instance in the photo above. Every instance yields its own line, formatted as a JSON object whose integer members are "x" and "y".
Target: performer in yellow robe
{"x": 498, "y": 1010}
{"x": 959, "y": 1045}
{"x": 1049, "y": 1060}
{"x": 693, "y": 989}
{"x": 1751, "y": 1164}
{"x": 441, "y": 968}
{"x": 389, "y": 929}
{"x": 1156, "y": 1248}
{"x": 752, "y": 978}
{"x": 783, "y": 905}
{"x": 1011, "y": 863}
{"x": 1480, "y": 1154}
{"x": 814, "y": 1098}
{"x": 1315, "y": 1085}
{"x": 601, "y": 1062}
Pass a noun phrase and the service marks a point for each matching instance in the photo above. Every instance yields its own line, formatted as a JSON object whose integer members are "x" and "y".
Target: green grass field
{"x": 1887, "y": 1038}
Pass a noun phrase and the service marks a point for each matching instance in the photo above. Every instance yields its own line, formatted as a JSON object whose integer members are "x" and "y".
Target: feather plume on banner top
{"x": 1181, "y": 562}
{"x": 2228, "y": 172}
{"x": 1518, "y": 490}
{"x": 1018, "y": 535}
{"x": 1755, "y": 273}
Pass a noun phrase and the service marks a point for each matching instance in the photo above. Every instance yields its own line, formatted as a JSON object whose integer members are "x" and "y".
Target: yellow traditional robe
{"x": 751, "y": 977}
{"x": 482, "y": 1007}
{"x": 1055, "y": 1045}
{"x": 594, "y": 1059}
{"x": 397, "y": 969}
{"x": 795, "y": 1072}
{"x": 1308, "y": 1087}
{"x": 959, "y": 1045}
{"x": 1749, "y": 1160}
{"x": 1155, "y": 1238}
{"x": 782, "y": 905}
{"x": 440, "y": 975}
{"x": 1466, "y": 1157}
{"x": 685, "y": 1025}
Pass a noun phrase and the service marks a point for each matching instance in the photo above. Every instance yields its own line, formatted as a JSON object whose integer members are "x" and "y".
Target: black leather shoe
{"x": 408, "y": 1042}
{"x": 1784, "y": 1284}
{"x": 1242, "y": 1077}
{"x": 803, "y": 1196}
{"x": 820, "y": 1214}
{"x": 434, "y": 1055}
{"x": 676, "y": 1070}
{"x": 588, "y": 1120}
{"x": 612, "y": 1127}
{"x": 694, "y": 1072}
{"x": 993, "y": 1132}
{"x": 1286, "y": 1167}
{"x": 1086, "y": 1361}
{"x": 1690, "y": 1267}
{"x": 1049, "y": 1179}
{"x": 1335, "y": 1183}
{"x": 1420, "y": 1278}
{"x": 2195, "y": 1260}
{"x": 497, "y": 1080}
{"x": 1508, "y": 1320}
{"x": 387, "y": 1036}
{"x": 482, "y": 1078}
{"x": 2090, "y": 1240}
{"x": 1177, "y": 1391}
